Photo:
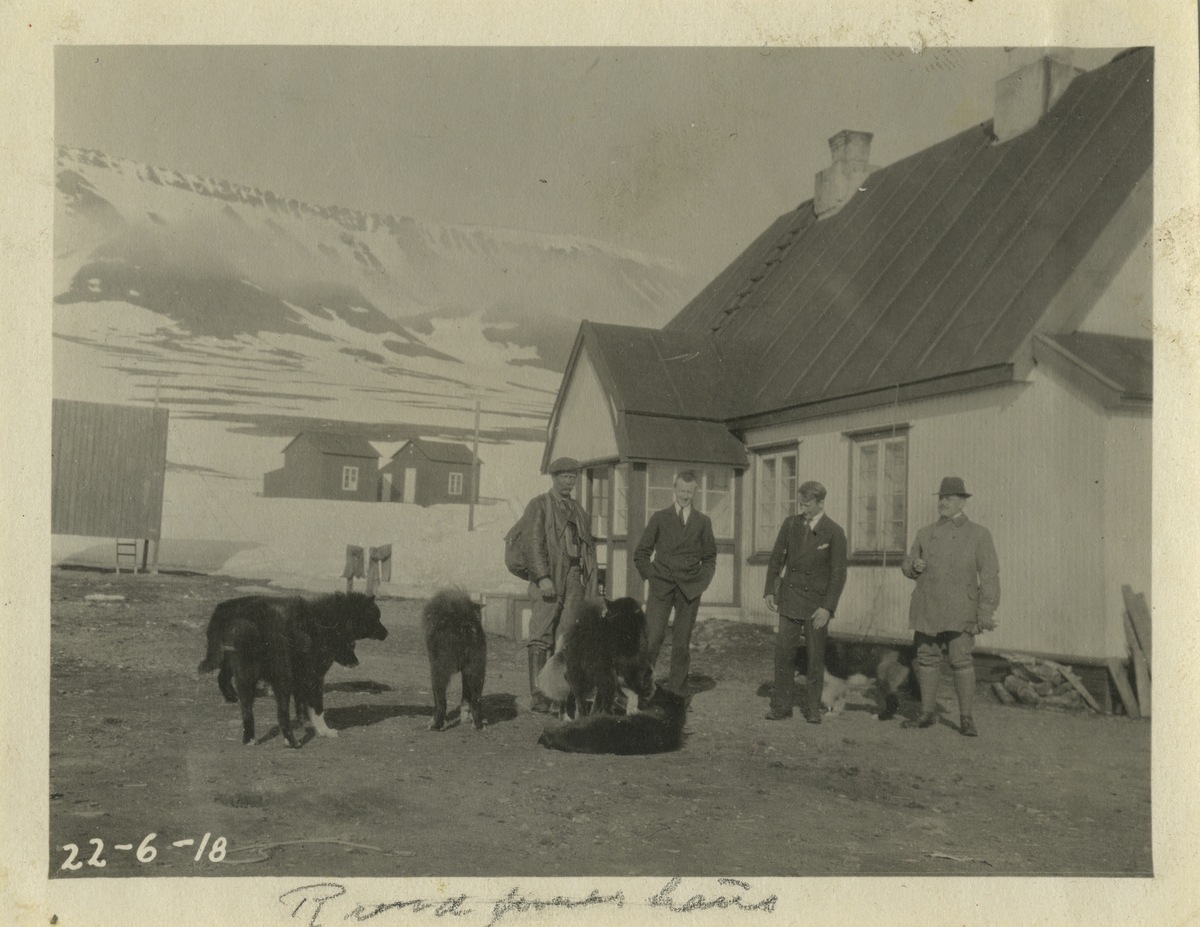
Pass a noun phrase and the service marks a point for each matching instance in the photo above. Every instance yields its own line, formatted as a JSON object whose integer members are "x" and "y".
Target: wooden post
{"x": 1141, "y": 670}
{"x": 1117, "y": 669}
{"x": 474, "y": 473}
{"x": 1139, "y": 616}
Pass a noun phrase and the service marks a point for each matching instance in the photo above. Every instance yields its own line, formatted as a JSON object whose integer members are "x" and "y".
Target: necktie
{"x": 682, "y": 519}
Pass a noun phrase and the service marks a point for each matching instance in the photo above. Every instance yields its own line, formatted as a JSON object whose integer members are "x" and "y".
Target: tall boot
{"x": 537, "y": 699}
{"x": 964, "y": 685}
{"x": 927, "y": 679}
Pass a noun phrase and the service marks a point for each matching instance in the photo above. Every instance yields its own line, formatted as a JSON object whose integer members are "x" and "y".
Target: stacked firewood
{"x": 1042, "y": 684}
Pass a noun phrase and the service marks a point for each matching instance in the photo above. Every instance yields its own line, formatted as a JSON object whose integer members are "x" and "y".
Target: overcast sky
{"x": 682, "y": 153}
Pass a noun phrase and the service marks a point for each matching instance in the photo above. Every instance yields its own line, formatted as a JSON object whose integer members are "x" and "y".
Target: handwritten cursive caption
{"x": 322, "y": 904}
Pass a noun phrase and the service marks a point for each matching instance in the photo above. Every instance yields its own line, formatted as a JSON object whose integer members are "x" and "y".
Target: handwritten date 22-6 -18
{"x": 146, "y": 851}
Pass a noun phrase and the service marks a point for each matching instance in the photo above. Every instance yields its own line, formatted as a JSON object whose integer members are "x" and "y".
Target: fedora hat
{"x": 953, "y": 486}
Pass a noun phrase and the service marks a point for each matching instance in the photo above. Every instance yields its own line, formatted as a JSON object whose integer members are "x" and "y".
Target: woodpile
{"x": 1041, "y": 683}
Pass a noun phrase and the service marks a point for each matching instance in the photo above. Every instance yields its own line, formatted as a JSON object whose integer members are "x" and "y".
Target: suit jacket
{"x": 961, "y": 581}
{"x": 816, "y": 566}
{"x": 683, "y": 556}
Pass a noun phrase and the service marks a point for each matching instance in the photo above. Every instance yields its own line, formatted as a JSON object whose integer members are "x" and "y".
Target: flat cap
{"x": 564, "y": 464}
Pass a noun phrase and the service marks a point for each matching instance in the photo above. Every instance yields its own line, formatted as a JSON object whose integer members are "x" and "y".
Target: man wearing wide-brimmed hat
{"x": 958, "y": 588}
{"x": 562, "y": 568}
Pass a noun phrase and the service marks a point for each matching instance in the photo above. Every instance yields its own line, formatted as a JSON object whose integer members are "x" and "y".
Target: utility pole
{"x": 474, "y": 473}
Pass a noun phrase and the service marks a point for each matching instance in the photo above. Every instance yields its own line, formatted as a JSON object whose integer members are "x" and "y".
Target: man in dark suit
{"x": 684, "y": 551}
{"x": 813, "y": 550}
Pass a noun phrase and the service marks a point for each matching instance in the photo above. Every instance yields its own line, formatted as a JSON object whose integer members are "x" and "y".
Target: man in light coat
{"x": 958, "y": 588}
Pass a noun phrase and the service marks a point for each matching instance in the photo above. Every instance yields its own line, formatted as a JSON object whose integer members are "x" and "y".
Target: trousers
{"x": 958, "y": 647}
{"x": 793, "y": 633}
{"x": 658, "y": 613}
{"x": 551, "y": 620}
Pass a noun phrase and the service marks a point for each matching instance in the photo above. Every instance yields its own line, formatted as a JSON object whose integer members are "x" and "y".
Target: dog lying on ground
{"x": 289, "y": 643}
{"x": 453, "y": 628}
{"x": 608, "y": 647}
{"x": 849, "y": 665}
{"x": 656, "y": 728}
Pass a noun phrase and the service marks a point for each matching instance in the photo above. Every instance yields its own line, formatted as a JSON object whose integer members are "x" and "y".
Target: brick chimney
{"x": 1028, "y": 92}
{"x": 841, "y": 180}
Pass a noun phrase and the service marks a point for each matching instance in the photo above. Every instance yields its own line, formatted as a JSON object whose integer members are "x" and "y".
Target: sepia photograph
{"x": 613, "y": 480}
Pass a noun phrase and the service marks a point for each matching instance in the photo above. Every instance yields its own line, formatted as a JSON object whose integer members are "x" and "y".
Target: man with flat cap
{"x": 562, "y": 568}
{"x": 958, "y": 588}
{"x": 810, "y": 556}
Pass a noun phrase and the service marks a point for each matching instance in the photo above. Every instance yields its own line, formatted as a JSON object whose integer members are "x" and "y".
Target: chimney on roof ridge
{"x": 1026, "y": 94}
{"x": 835, "y": 185}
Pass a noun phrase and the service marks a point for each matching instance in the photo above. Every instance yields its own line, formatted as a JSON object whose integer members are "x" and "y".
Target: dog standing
{"x": 289, "y": 643}
{"x": 656, "y": 728}
{"x": 453, "y": 627}
{"x": 607, "y": 647}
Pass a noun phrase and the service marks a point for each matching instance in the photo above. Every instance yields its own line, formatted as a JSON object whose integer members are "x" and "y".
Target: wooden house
{"x": 325, "y": 465}
{"x": 109, "y": 466}
{"x": 429, "y": 473}
{"x": 978, "y": 309}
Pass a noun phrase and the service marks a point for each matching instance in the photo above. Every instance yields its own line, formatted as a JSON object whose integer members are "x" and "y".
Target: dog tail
{"x": 213, "y": 658}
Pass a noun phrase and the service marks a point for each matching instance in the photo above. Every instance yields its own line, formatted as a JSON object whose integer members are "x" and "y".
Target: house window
{"x": 714, "y": 495}
{"x": 350, "y": 479}
{"x": 599, "y": 492}
{"x": 456, "y": 484}
{"x": 879, "y": 494}
{"x": 775, "y": 492}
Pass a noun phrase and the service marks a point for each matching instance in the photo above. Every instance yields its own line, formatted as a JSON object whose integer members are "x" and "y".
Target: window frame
{"x": 349, "y": 478}
{"x": 702, "y": 491}
{"x": 761, "y": 454}
{"x": 450, "y": 490}
{"x": 876, "y": 557}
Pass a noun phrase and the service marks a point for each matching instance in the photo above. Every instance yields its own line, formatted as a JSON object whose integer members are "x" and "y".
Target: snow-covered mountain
{"x": 234, "y": 303}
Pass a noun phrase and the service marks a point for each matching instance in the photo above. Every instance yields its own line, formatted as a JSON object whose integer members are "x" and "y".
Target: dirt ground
{"x": 139, "y": 745}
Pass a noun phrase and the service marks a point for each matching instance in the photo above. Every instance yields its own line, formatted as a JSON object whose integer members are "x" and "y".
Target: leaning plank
{"x": 1117, "y": 670}
{"x": 1139, "y": 613}
{"x": 1141, "y": 670}
{"x": 1075, "y": 682}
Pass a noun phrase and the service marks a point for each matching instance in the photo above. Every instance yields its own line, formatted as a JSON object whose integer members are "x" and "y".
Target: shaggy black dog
{"x": 454, "y": 637}
{"x": 607, "y": 647}
{"x": 289, "y": 643}
{"x": 656, "y": 728}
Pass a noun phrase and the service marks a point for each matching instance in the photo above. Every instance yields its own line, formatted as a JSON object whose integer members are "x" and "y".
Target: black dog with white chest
{"x": 454, "y": 638}
{"x": 608, "y": 647}
{"x": 289, "y": 643}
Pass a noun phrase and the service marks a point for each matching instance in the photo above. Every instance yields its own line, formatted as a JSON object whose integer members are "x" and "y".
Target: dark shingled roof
{"x": 938, "y": 270}
{"x": 443, "y": 452}
{"x": 339, "y": 444}
{"x": 663, "y": 373}
{"x": 649, "y": 437}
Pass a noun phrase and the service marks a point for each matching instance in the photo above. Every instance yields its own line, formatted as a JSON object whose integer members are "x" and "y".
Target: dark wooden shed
{"x": 325, "y": 465}
{"x": 108, "y": 464}
{"x": 428, "y": 473}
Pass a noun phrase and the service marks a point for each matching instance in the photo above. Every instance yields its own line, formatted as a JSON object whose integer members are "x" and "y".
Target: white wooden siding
{"x": 1049, "y": 472}
{"x": 585, "y": 423}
